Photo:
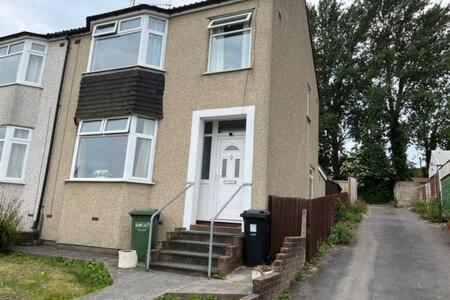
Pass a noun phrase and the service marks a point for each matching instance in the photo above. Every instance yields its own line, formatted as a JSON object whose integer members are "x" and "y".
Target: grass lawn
{"x": 29, "y": 277}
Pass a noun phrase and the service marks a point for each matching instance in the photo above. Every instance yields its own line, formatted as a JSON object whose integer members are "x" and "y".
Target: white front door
{"x": 230, "y": 163}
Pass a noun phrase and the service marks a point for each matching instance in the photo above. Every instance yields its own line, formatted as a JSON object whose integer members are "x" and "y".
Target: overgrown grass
{"x": 340, "y": 234}
{"x": 29, "y": 277}
{"x": 428, "y": 209}
{"x": 284, "y": 296}
{"x": 301, "y": 273}
{"x": 10, "y": 222}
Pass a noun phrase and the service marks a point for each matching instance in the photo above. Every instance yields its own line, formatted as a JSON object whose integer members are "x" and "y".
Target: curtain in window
{"x": 34, "y": 68}
{"x": 8, "y": 68}
{"x": 142, "y": 158}
{"x": 217, "y": 53}
{"x": 16, "y": 161}
{"x": 154, "y": 50}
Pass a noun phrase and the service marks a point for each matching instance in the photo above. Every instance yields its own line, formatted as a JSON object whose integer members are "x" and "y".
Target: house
{"x": 438, "y": 159}
{"x": 217, "y": 93}
{"x": 31, "y": 68}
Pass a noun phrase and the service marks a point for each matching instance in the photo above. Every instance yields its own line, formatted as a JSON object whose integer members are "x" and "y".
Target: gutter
{"x": 35, "y": 226}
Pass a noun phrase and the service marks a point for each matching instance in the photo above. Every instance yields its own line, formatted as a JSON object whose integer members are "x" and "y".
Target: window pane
{"x": 21, "y": 134}
{"x": 91, "y": 126}
{"x": 154, "y": 50}
{"x": 116, "y": 124}
{"x": 227, "y": 20}
{"x": 208, "y": 127}
{"x": 16, "y": 161}
{"x": 142, "y": 158}
{"x": 206, "y": 157}
{"x": 230, "y": 51}
{"x": 34, "y": 68}
{"x": 1, "y": 150}
{"x": 237, "y": 166}
{"x": 8, "y": 68}
{"x": 2, "y": 132}
{"x": 157, "y": 25}
{"x": 145, "y": 126}
{"x": 105, "y": 28}
{"x": 3, "y": 50}
{"x": 232, "y": 148}
{"x": 15, "y": 48}
{"x": 232, "y": 126}
{"x": 37, "y": 47}
{"x": 101, "y": 157}
{"x": 116, "y": 52}
{"x": 130, "y": 24}
{"x": 224, "y": 167}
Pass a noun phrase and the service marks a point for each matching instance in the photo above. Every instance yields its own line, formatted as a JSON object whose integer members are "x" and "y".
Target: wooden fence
{"x": 286, "y": 220}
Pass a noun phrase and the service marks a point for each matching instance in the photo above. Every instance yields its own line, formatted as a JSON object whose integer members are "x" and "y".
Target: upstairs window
{"x": 230, "y": 43}
{"x": 14, "y": 144}
{"x": 128, "y": 42}
{"x": 22, "y": 62}
{"x": 308, "y": 100}
{"x": 115, "y": 149}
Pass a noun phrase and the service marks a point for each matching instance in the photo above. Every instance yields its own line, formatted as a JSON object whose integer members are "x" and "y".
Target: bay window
{"x": 230, "y": 43}
{"x": 128, "y": 42}
{"x": 114, "y": 149}
{"x": 14, "y": 144}
{"x": 22, "y": 62}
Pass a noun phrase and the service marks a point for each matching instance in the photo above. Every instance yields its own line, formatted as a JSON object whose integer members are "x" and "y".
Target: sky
{"x": 43, "y": 16}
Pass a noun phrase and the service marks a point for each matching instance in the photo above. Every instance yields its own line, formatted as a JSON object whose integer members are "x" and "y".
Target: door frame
{"x": 196, "y": 151}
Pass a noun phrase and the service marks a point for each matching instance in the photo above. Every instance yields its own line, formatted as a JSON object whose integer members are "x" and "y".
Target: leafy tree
{"x": 338, "y": 34}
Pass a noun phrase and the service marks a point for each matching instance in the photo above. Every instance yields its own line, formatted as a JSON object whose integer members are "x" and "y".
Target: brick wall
{"x": 288, "y": 262}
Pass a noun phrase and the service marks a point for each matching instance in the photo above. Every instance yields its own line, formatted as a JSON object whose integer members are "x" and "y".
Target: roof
{"x": 131, "y": 9}
{"x": 439, "y": 157}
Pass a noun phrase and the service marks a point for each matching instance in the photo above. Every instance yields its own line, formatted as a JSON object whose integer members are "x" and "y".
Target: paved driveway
{"x": 396, "y": 255}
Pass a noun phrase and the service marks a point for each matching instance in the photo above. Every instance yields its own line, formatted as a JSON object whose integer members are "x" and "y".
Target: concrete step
{"x": 196, "y": 246}
{"x": 182, "y": 268}
{"x": 186, "y": 257}
{"x": 221, "y": 229}
{"x": 203, "y": 236}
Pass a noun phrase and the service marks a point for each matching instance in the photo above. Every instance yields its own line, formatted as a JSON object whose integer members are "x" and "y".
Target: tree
{"x": 408, "y": 53}
{"x": 337, "y": 34}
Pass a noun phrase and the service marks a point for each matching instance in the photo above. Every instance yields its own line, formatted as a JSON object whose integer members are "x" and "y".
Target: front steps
{"x": 186, "y": 251}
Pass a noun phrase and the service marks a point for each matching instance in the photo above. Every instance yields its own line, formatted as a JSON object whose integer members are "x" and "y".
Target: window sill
{"x": 105, "y": 180}
{"x": 227, "y": 71}
{"x": 12, "y": 181}
{"x": 22, "y": 84}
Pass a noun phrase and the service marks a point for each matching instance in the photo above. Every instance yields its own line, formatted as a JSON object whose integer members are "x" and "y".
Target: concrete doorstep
{"x": 139, "y": 284}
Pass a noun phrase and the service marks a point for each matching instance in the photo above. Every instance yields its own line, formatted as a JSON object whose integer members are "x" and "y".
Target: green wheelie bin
{"x": 140, "y": 224}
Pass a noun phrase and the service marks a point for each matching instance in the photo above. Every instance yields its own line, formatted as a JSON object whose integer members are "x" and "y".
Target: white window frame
{"x": 247, "y": 15}
{"x": 212, "y": 35}
{"x": 130, "y": 152}
{"x": 112, "y": 31}
{"x": 308, "y": 100}
{"x": 8, "y": 141}
{"x": 311, "y": 175}
{"x": 145, "y": 32}
{"x": 24, "y": 60}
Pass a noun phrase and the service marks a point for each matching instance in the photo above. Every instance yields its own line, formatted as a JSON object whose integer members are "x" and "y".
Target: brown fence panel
{"x": 286, "y": 219}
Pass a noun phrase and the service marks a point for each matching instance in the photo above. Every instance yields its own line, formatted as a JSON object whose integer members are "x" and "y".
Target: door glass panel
{"x": 224, "y": 167}
{"x": 231, "y": 126}
{"x": 208, "y": 127}
{"x": 231, "y": 148}
{"x": 206, "y": 158}
{"x": 237, "y": 165}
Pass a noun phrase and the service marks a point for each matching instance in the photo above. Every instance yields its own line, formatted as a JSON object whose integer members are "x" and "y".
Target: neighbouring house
{"x": 31, "y": 68}
{"x": 216, "y": 93}
{"x": 438, "y": 159}
{"x": 444, "y": 172}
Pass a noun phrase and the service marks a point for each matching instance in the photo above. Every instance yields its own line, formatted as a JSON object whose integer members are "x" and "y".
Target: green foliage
{"x": 352, "y": 214}
{"x": 419, "y": 206}
{"x": 10, "y": 221}
{"x": 340, "y": 234}
{"x": 301, "y": 273}
{"x": 432, "y": 211}
{"x": 360, "y": 206}
{"x": 168, "y": 297}
{"x": 284, "y": 296}
{"x": 322, "y": 247}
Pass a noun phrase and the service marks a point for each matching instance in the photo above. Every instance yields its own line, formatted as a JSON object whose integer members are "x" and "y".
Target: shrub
{"x": 351, "y": 214}
{"x": 10, "y": 221}
{"x": 432, "y": 212}
{"x": 419, "y": 206}
{"x": 360, "y": 206}
{"x": 340, "y": 234}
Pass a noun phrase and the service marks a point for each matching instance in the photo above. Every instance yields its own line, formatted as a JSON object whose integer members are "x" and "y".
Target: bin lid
{"x": 143, "y": 212}
{"x": 256, "y": 213}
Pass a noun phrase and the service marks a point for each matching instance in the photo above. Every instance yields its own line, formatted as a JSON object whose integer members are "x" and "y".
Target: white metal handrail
{"x": 158, "y": 212}
{"x": 211, "y": 231}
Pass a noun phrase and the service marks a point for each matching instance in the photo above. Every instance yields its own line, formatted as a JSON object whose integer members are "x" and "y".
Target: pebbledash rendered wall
{"x": 96, "y": 214}
{"x": 33, "y": 107}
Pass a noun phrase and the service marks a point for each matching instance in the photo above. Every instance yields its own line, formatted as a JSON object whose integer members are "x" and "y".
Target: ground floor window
{"x": 14, "y": 145}
{"x": 115, "y": 149}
